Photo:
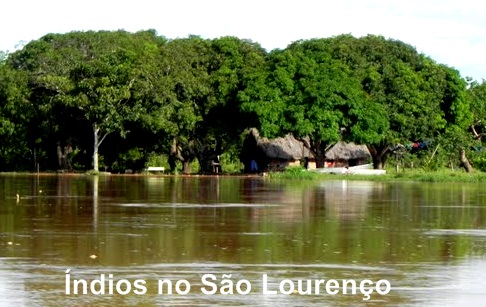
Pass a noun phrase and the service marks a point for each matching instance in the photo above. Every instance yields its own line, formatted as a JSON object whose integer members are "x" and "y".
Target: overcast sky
{"x": 450, "y": 31}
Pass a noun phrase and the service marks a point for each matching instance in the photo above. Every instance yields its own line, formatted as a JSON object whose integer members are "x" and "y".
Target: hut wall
{"x": 346, "y": 163}
{"x": 312, "y": 165}
{"x": 341, "y": 163}
{"x": 293, "y": 163}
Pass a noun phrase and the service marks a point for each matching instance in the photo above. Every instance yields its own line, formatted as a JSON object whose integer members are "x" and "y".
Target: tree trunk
{"x": 96, "y": 130}
{"x": 172, "y": 163}
{"x": 318, "y": 149}
{"x": 186, "y": 167}
{"x": 175, "y": 155}
{"x": 184, "y": 153}
{"x": 378, "y": 162}
{"x": 207, "y": 153}
{"x": 96, "y": 144}
{"x": 209, "y": 162}
{"x": 320, "y": 161}
{"x": 379, "y": 154}
{"x": 465, "y": 162}
{"x": 205, "y": 156}
{"x": 319, "y": 152}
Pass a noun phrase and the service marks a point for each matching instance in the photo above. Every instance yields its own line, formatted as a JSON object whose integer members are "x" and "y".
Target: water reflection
{"x": 95, "y": 201}
{"x": 419, "y": 236}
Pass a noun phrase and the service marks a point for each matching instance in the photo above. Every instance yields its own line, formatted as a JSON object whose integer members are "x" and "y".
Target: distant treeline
{"x": 86, "y": 99}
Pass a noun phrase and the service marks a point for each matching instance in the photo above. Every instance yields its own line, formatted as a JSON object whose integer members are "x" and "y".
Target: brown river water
{"x": 109, "y": 241}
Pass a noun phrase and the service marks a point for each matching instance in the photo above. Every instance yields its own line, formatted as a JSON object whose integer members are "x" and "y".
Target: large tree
{"x": 177, "y": 95}
{"x": 89, "y": 76}
{"x": 194, "y": 101}
{"x": 370, "y": 90}
{"x": 304, "y": 91}
{"x": 477, "y": 96}
{"x": 233, "y": 62}
{"x": 15, "y": 114}
{"x": 420, "y": 97}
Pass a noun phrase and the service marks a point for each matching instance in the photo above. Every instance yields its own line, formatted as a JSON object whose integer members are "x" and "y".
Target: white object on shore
{"x": 155, "y": 169}
{"x": 365, "y": 169}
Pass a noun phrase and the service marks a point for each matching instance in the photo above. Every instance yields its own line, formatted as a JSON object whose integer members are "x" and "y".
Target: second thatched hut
{"x": 347, "y": 154}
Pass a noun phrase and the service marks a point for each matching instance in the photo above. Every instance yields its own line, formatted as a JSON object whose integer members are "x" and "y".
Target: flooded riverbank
{"x": 427, "y": 239}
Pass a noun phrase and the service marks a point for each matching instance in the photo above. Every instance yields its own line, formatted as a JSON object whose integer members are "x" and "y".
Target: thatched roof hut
{"x": 272, "y": 154}
{"x": 350, "y": 153}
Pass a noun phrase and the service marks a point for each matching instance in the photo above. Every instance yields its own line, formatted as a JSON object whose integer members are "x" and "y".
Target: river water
{"x": 428, "y": 240}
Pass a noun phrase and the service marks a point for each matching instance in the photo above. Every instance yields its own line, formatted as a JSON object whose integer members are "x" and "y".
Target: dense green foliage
{"x": 309, "y": 93}
{"x": 370, "y": 90}
{"x": 65, "y": 99}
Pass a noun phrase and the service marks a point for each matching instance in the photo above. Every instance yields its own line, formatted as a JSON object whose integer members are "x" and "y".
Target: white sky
{"x": 452, "y": 32}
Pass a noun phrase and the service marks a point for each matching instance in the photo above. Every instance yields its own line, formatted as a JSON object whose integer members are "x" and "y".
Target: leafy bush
{"x": 231, "y": 163}
{"x": 133, "y": 158}
{"x": 155, "y": 159}
{"x": 479, "y": 161}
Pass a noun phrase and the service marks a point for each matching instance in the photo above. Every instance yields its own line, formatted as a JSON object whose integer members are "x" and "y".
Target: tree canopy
{"x": 307, "y": 92}
{"x": 368, "y": 90}
{"x": 192, "y": 98}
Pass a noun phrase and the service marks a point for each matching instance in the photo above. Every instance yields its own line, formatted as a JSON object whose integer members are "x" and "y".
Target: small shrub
{"x": 479, "y": 161}
{"x": 230, "y": 163}
{"x": 155, "y": 159}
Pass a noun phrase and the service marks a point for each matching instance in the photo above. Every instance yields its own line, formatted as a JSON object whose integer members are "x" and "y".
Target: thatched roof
{"x": 284, "y": 148}
{"x": 289, "y": 148}
{"x": 348, "y": 151}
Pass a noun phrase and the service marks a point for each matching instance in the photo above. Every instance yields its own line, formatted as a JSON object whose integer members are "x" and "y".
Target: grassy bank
{"x": 299, "y": 173}
{"x": 443, "y": 175}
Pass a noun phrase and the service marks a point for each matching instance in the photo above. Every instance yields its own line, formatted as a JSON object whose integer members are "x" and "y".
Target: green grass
{"x": 295, "y": 172}
{"x": 442, "y": 175}
{"x": 301, "y": 174}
